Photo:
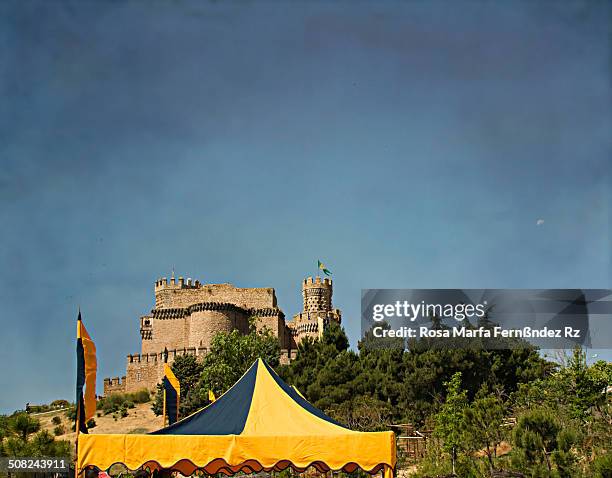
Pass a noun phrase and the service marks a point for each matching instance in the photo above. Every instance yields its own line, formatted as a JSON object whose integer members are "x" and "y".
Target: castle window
{"x": 138, "y": 377}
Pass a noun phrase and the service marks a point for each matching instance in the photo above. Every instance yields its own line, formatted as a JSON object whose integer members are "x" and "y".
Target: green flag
{"x": 326, "y": 271}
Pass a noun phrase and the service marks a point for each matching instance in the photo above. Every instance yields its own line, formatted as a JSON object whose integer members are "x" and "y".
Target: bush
{"x": 111, "y": 403}
{"x": 123, "y": 412}
{"x": 56, "y": 420}
{"x": 115, "y": 402}
{"x": 23, "y": 425}
{"x": 141, "y": 396}
{"x": 91, "y": 423}
{"x": 71, "y": 413}
{"x": 59, "y": 430}
{"x": 60, "y": 404}
{"x": 602, "y": 466}
{"x": 37, "y": 408}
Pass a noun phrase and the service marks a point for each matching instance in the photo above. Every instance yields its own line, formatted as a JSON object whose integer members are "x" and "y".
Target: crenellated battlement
{"x": 316, "y": 282}
{"x": 317, "y": 294}
{"x": 181, "y": 283}
{"x": 304, "y": 317}
{"x": 183, "y": 293}
{"x": 114, "y": 385}
{"x": 161, "y": 356}
{"x": 115, "y": 381}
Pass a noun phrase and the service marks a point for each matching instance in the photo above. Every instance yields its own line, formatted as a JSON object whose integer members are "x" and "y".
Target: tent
{"x": 259, "y": 424}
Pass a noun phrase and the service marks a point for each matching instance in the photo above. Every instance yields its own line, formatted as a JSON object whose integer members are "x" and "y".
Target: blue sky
{"x": 408, "y": 144}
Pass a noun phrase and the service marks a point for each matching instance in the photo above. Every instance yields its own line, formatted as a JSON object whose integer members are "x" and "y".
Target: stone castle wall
{"x": 196, "y": 325}
{"x": 181, "y": 293}
{"x": 146, "y": 371}
{"x": 114, "y": 385}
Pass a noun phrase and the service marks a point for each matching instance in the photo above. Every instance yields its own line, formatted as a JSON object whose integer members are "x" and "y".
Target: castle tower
{"x": 317, "y": 294}
{"x": 317, "y": 311}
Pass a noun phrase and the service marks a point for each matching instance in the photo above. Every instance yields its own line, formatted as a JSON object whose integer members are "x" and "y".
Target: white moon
{"x": 539, "y": 222}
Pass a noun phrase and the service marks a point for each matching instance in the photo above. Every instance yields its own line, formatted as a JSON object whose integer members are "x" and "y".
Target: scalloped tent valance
{"x": 260, "y": 424}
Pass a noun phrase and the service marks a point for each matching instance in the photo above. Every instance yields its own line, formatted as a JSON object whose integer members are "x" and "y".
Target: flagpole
{"x": 86, "y": 378}
{"x": 76, "y": 443}
{"x": 164, "y": 408}
{"x": 77, "y": 424}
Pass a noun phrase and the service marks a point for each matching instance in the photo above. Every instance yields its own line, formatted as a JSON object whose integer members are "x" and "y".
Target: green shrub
{"x": 91, "y": 423}
{"x": 602, "y": 466}
{"x": 60, "y": 404}
{"x": 71, "y": 413}
{"x": 141, "y": 396}
{"x": 111, "y": 403}
{"x": 59, "y": 430}
{"x": 37, "y": 408}
{"x": 117, "y": 401}
{"x": 56, "y": 420}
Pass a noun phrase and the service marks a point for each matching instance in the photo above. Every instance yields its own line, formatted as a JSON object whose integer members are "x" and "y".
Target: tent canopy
{"x": 260, "y": 423}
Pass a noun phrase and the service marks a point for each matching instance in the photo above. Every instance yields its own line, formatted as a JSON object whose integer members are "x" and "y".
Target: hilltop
{"x": 141, "y": 419}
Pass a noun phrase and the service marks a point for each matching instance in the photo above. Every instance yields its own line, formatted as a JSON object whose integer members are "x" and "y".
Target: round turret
{"x": 317, "y": 294}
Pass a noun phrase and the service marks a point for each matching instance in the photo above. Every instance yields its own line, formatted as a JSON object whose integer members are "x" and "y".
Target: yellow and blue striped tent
{"x": 259, "y": 424}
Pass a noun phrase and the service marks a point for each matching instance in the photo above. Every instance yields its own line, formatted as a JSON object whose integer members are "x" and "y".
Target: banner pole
{"x": 164, "y": 408}
{"x": 77, "y": 424}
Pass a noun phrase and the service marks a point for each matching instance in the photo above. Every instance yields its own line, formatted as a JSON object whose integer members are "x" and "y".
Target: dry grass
{"x": 141, "y": 419}
{"x": 503, "y": 449}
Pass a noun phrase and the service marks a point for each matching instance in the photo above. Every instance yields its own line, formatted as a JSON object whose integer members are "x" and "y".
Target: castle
{"x": 188, "y": 314}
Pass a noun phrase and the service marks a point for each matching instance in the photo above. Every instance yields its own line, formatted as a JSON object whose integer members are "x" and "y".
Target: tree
{"x": 484, "y": 424}
{"x": 312, "y": 356}
{"x": 363, "y": 413}
{"x": 23, "y": 425}
{"x": 19, "y": 442}
{"x": 333, "y": 384}
{"x": 187, "y": 370}
{"x": 44, "y": 444}
{"x": 450, "y": 420}
{"x": 425, "y": 370}
{"x": 370, "y": 342}
{"x": 563, "y": 456}
{"x": 231, "y": 354}
{"x": 4, "y": 427}
{"x": 575, "y": 390}
{"x": 535, "y": 436}
{"x": 583, "y": 386}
